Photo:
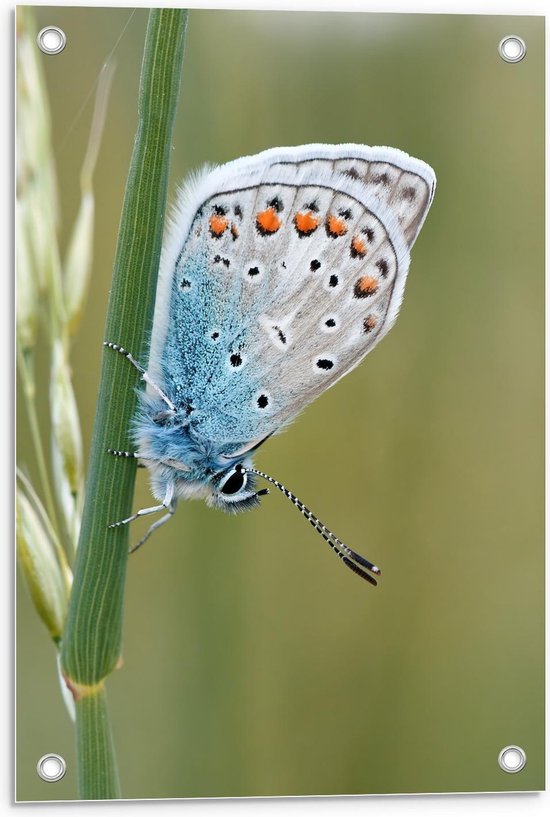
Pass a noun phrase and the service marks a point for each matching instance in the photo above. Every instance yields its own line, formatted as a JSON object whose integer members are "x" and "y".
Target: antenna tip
{"x": 375, "y": 569}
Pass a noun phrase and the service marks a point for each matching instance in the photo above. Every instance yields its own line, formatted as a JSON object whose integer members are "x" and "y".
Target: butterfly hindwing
{"x": 290, "y": 269}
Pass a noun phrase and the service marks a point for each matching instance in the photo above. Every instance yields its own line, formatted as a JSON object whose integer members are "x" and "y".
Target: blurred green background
{"x": 254, "y": 664}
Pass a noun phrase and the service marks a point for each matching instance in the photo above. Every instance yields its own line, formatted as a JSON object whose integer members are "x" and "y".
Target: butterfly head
{"x": 233, "y": 490}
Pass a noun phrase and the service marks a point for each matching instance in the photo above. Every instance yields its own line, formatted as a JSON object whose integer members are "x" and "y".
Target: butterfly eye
{"x": 234, "y": 483}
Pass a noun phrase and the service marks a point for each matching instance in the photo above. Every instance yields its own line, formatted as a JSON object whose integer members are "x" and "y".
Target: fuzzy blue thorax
{"x": 180, "y": 458}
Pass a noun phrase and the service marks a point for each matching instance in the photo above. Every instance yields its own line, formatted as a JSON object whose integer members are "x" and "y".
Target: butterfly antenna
{"x": 348, "y": 556}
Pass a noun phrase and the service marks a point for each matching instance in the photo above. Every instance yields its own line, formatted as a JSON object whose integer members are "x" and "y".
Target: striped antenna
{"x": 348, "y": 556}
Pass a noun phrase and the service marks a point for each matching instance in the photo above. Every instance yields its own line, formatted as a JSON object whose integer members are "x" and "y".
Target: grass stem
{"x": 92, "y": 638}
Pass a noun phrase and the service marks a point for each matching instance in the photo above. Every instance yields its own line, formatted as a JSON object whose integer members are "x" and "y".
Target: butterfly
{"x": 279, "y": 273}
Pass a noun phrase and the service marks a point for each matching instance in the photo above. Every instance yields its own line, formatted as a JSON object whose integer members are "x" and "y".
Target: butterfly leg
{"x": 166, "y": 503}
{"x": 143, "y": 372}
{"x": 128, "y": 455}
{"x": 155, "y": 526}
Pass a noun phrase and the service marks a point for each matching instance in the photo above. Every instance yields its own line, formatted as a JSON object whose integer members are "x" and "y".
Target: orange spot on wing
{"x": 305, "y": 223}
{"x": 358, "y": 248}
{"x": 365, "y": 286}
{"x": 234, "y": 231}
{"x": 336, "y": 226}
{"x": 268, "y": 221}
{"x": 218, "y": 225}
{"x": 369, "y": 324}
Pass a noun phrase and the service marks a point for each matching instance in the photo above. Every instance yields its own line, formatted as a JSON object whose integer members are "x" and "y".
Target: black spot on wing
{"x": 281, "y": 335}
{"x": 219, "y": 260}
{"x": 324, "y": 363}
{"x": 409, "y": 193}
{"x": 383, "y": 266}
{"x": 277, "y": 204}
{"x": 380, "y": 178}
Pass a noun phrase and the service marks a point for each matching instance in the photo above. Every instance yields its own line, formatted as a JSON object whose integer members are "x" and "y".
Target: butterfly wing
{"x": 281, "y": 272}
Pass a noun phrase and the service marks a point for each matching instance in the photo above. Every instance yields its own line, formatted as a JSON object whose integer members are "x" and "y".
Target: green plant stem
{"x": 92, "y": 638}
{"x": 97, "y": 772}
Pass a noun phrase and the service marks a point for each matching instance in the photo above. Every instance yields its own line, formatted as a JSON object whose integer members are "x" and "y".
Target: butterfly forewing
{"x": 292, "y": 269}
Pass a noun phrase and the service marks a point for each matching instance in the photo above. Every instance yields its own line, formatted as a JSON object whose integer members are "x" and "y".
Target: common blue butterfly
{"x": 280, "y": 272}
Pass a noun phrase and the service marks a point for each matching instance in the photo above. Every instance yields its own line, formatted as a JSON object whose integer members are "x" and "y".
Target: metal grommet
{"x": 51, "y": 768}
{"x": 51, "y": 40}
{"x": 512, "y": 759}
{"x": 512, "y": 48}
